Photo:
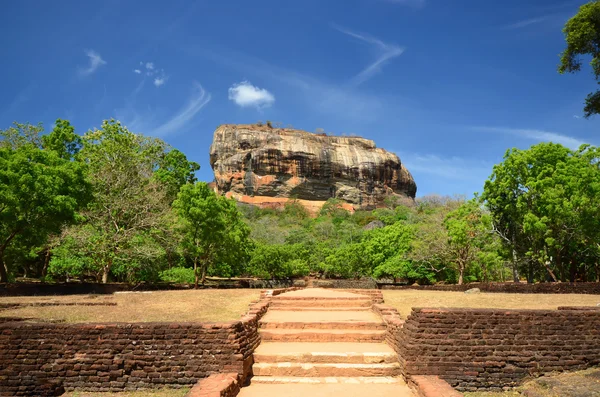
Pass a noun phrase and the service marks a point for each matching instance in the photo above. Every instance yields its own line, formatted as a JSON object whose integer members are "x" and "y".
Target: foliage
{"x": 582, "y": 34}
{"x": 40, "y": 191}
{"x": 178, "y": 275}
{"x": 128, "y": 203}
{"x": 544, "y": 204}
{"x": 117, "y": 205}
{"x": 212, "y": 229}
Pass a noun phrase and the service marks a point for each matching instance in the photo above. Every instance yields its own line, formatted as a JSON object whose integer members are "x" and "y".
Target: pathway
{"x": 321, "y": 343}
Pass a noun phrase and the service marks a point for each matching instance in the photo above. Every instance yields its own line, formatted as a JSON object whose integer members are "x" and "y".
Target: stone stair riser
{"x": 310, "y": 303}
{"x": 319, "y": 325}
{"x": 320, "y": 337}
{"x": 326, "y": 370}
{"x": 328, "y": 380}
{"x": 341, "y": 358}
{"x": 317, "y": 308}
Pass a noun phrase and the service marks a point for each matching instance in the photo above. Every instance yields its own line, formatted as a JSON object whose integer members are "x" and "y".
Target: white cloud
{"x": 320, "y": 96}
{"x": 157, "y": 75}
{"x": 385, "y": 52}
{"x": 95, "y": 62}
{"x": 244, "y": 94}
{"x": 535, "y": 135}
{"x": 198, "y": 100}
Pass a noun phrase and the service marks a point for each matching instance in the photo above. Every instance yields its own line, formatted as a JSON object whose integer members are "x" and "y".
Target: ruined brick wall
{"x": 490, "y": 349}
{"x": 516, "y": 288}
{"x": 39, "y": 359}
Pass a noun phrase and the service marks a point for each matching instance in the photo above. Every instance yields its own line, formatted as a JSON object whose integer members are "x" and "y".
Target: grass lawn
{"x": 157, "y": 306}
{"x": 569, "y": 384}
{"x": 141, "y": 393}
{"x": 405, "y": 300}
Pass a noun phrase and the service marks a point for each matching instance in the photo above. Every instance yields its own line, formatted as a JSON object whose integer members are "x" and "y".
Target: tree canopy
{"x": 582, "y": 34}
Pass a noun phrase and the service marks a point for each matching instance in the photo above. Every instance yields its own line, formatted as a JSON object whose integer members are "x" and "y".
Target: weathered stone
{"x": 251, "y": 161}
{"x": 374, "y": 225}
{"x": 473, "y": 291}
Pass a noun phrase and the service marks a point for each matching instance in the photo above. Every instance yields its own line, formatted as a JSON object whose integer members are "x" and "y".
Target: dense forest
{"x": 111, "y": 205}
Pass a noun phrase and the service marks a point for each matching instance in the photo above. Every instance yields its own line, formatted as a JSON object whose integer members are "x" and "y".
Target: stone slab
{"x": 349, "y": 389}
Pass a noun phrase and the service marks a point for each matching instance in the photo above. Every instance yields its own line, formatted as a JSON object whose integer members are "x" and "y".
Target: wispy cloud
{"x": 535, "y": 135}
{"x": 137, "y": 71}
{"x": 95, "y": 61}
{"x": 244, "y": 94}
{"x": 150, "y": 65}
{"x": 385, "y": 52}
{"x": 197, "y": 101}
{"x": 525, "y": 23}
{"x": 455, "y": 168}
{"x": 23, "y": 96}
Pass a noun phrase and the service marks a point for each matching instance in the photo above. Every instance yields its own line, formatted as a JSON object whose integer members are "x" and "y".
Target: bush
{"x": 178, "y": 275}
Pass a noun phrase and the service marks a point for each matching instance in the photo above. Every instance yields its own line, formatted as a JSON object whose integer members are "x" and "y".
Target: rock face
{"x": 258, "y": 161}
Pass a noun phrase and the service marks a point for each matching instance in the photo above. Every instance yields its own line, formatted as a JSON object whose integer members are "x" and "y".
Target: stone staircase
{"x": 327, "y": 338}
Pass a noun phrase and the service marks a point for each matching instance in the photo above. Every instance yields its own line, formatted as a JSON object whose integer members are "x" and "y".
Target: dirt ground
{"x": 405, "y": 300}
{"x": 141, "y": 393}
{"x": 156, "y": 306}
{"x": 573, "y": 384}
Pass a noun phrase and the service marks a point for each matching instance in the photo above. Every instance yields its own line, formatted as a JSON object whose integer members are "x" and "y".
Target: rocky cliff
{"x": 260, "y": 164}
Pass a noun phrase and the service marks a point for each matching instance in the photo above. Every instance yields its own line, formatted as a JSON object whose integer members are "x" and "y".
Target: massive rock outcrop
{"x": 259, "y": 164}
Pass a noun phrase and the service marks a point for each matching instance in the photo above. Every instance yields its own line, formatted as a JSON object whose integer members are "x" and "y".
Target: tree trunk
{"x": 572, "y": 271}
{"x": 3, "y": 270}
{"x": 204, "y": 274}
{"x": 461, "y": 273}
{"x": 46, "y": 262}
{"x": 597, "y": 272}
{"x": 105, "y": 271}
{"x": 195, "y": 274}
{"x": 515, "y": 271}
{"x": 550, "y": 272}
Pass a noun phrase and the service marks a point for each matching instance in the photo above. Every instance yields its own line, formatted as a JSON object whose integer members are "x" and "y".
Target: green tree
{"x": 544, "y": 204}
{"x": 40, "y": 191}
{"x": 212, "y": 228}
{"x": 582, "y": 34}
{"x": 175, "y": 170}
{"x": 128, "y": 203}
{"x": 467, "y": 229}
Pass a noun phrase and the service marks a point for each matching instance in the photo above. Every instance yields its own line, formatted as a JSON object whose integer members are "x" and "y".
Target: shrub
{"x": 179, "y": 275}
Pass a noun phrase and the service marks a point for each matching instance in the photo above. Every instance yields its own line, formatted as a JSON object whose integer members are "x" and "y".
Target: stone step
{"x": 286, "y": 298}
{"x": 329, "y": 380}
{"x": 333, "y": 352}
{"x": 321, "y": 316}
{"x": 317, "y": 308}
{"x": 322, "y": 335}
{"x": 320, "y": 303}
{"x": 352, "y": 387}
{"x": 325, "y": 369}
{"x": 362, "y": 325}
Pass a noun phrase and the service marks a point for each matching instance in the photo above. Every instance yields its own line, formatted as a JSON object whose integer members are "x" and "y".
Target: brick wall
{"x": 490, "y": 349}
{"x": 518, "y": 288}
{"x": 38, "y": 359}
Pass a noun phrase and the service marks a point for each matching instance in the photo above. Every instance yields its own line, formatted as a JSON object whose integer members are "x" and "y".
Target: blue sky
{"x": 449, "y": 85}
